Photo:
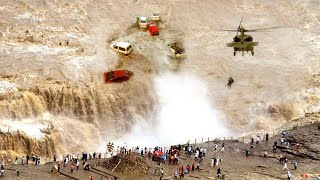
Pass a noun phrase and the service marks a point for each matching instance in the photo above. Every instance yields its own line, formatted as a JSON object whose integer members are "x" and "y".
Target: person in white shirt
{"x": 162, "y": 172}
{"x": 289, "y": 174}
{"x": 265, "y": 153}
{"x": 67, "y": 158}
{"x": 198, "y": 166}
{"x": 222, "y": 148}
{"x": 285, "y": 167}
{"x": 78, "y": 162}
{"x": 175, "y": 174}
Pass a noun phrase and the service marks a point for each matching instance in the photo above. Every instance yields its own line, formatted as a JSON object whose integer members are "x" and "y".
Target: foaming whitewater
{"x": 56, "y": 67}
{"x": 185, "y": 113}
{"x": 28, "y": 126}
{"x": 65, "y": 134}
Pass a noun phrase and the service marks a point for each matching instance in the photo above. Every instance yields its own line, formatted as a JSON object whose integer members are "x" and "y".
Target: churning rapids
{"x": 53, "y": 55}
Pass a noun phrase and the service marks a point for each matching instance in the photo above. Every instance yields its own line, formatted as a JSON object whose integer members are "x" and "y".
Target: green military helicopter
{"x": 244, "y": 42}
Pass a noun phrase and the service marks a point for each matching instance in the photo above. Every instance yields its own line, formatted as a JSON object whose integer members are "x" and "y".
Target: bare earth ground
{"x": 234, "y": 165}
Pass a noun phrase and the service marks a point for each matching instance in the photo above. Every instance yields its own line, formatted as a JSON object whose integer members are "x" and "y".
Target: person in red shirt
{"x": 181, "y": 174}
{"x": 72, "y": 168}
{"x": 188, "y": 168}
{"x": 91, "y": 178}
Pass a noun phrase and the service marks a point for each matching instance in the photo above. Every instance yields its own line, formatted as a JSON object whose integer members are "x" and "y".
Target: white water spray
{"x": 185, "y": 113}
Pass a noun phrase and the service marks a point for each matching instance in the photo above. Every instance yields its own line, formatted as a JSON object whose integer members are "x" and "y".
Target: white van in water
{"x": 142, "y": 22}
{"x": 155, "y": 17}
{"x": 122, "y": 47}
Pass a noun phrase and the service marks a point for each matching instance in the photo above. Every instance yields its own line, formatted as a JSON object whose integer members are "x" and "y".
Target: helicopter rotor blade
{"x": 256, "y": 31}
{"x": 240, "y": 22}
{"x": 239, "y": 26}
{"x": 229, "y": 30}
{"x": 262, "y": 29}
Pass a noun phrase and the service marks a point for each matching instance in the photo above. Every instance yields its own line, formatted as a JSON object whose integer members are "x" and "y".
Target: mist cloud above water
{"x": 185, "y": 113}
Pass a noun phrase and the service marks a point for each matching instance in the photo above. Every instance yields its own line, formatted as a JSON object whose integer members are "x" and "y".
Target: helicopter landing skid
{"x": 235, "y": 52}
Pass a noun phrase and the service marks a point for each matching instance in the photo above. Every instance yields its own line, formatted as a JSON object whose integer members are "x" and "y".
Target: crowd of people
{"x": 74, "y": 161}
{"x": 57, "y": 165}
{"x": 172, "y": 156}
{"x": 23, "y": 161}
{"x": 283, "y": 143}
{"x": 195, "y": 154}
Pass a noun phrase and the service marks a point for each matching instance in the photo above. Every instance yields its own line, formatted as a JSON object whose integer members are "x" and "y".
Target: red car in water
{"x": 116, "y": 76}
{"x": 153, "y": 28}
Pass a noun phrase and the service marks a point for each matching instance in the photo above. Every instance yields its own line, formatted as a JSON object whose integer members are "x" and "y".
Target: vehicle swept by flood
{"x": 67, "y": 93}
{"x": 117, "y": 76}
{"x": 153, "y": 29}
{"x": 177, "y": 50}
{"x": 122, "y": 47}
{"x": 141, "y": 22}
{"x": 155, "y": 17}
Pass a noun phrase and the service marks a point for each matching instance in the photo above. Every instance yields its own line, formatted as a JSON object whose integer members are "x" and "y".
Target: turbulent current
{"x": 53, "y": 55}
